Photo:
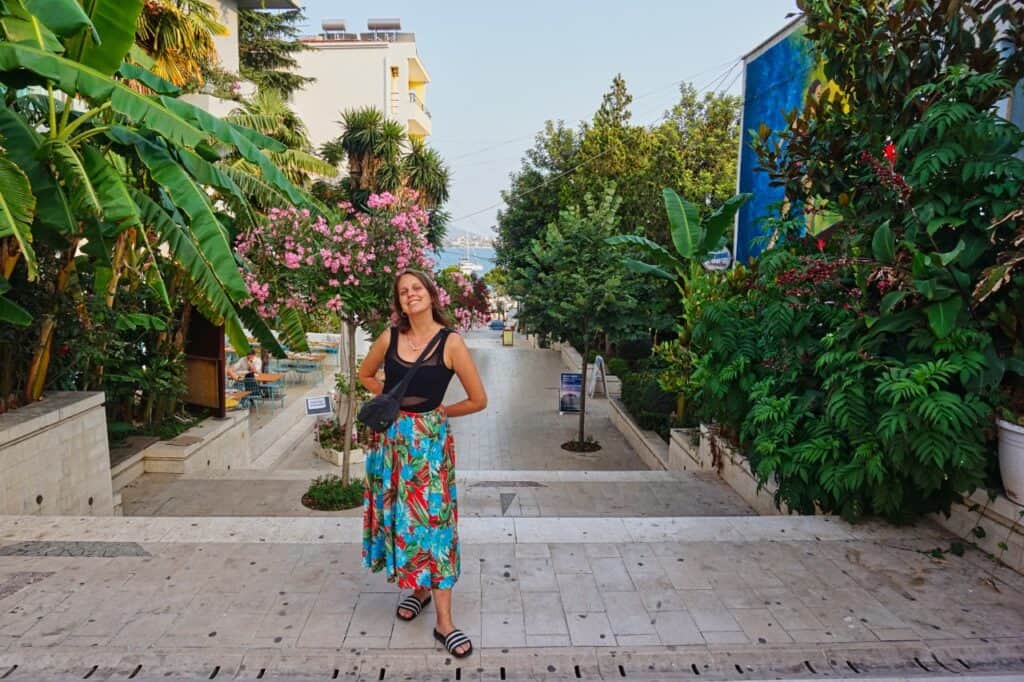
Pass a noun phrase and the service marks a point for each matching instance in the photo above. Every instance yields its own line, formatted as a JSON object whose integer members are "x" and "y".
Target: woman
{"x": 410, "y": 517}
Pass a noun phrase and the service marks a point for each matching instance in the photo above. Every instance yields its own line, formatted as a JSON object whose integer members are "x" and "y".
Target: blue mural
{"x": 775, "y": 82}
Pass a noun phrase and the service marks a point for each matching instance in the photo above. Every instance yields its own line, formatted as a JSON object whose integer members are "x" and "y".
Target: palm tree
{"x": 269, "y": 113}
{"x": 178, "y": 34}
{"x": 425, "y": 171}
{"x": 381, "y": 157}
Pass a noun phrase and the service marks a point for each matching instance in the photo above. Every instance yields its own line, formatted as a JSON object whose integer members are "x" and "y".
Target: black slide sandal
{"x": 411, "y": 603}
{"x": 453, "y": 640}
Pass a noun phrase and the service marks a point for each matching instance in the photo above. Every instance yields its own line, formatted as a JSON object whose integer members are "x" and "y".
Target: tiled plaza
{"x": 573, "y": 567}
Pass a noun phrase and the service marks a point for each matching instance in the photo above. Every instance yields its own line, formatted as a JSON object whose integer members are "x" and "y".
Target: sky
{"x": 500, "y": 70}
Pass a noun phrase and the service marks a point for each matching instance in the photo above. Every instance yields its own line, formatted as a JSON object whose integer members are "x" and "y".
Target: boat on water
{"x": 468, "y": 267}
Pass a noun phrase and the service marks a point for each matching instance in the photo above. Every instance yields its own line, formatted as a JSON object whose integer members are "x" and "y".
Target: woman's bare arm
{"x": 372, "y": 362}
{"x": 465, "y": 369}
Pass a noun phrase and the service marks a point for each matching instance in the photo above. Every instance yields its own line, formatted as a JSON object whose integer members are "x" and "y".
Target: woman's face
{"x": 413, "y": 296}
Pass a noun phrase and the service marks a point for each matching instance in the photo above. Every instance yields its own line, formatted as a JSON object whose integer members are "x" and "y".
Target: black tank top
{"x": 428, "y": 385}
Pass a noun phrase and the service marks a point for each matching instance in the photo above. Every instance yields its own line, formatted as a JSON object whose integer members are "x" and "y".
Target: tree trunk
{"x": 350, "y": 410}
{"x": 583, "y": 388}
{"x": 36, "y": 379}
{"x": 117, "y": 266}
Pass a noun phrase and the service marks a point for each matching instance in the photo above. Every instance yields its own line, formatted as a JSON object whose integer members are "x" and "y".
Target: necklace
{"x": 415, "y": 347}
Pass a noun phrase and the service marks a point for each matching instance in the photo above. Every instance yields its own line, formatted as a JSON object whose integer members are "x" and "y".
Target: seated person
{"x": 248, "y": 366}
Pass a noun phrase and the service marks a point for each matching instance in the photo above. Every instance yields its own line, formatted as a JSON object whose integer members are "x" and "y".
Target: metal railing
{"x": 414, "y": 98}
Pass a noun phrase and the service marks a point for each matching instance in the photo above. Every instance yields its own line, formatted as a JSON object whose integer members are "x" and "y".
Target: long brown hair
{"x": 439, "y": 314}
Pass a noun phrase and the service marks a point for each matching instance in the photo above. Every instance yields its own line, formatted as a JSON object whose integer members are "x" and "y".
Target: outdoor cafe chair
{"x": 255, "y": 397}
{"x": 307, "y": 368}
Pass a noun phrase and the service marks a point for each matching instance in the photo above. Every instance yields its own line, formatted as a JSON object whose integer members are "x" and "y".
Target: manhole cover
{"x": 64, "y": 548}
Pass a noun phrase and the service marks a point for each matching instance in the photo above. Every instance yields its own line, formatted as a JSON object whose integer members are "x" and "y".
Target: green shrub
{"x": 649, "y": 404}
{"x": 618, "y": 367}
{"x": 633, "y": 351}
{"x": 327, "y": 493}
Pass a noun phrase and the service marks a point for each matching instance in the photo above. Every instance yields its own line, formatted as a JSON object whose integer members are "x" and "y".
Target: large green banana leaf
{"x": 83, "y": 195}
{"x": 184, "y": 251}
{"x": 246, "y": 140}
{"x": 716, "y": 224}
{"x": 21, "y": 26}
{"x": 23, "y": 145}
{"x": 105, "y": 48}
{"x": 149, "y": 79}
{"x": 17, "y": 209}
{"x": 120, "y": 208}
{"x": 684, "y": 221}
{"x": 64, "y": 17}
{"x": 82, "y": 81}
{"x": 190, "y": 198}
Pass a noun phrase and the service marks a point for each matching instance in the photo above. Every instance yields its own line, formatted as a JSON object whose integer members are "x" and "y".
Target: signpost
{"x": 320, "y": 404}
{"x": 569, "y": 389}
{"x": 718, "y": 260}
{"x": 599, "y": 368}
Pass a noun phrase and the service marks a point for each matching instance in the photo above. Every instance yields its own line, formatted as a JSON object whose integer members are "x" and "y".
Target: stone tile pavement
{"x": 573, "y": 567}
{"x": 808, "y": 598}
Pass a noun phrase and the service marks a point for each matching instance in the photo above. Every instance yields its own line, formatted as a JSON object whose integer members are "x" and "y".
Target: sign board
{"x": 598, "y": 371}
{"x": 320, "y": 404}
{"x": 506, "y": 337}
{"x": 718, "y": 260}
{"x": 569, "y": 389}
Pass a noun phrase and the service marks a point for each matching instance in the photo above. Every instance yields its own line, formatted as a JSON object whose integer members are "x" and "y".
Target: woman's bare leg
{"x": 443, "y": 606}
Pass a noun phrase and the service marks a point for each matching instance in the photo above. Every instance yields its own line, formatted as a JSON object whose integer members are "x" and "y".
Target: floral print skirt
{"x": 410, "y": 515}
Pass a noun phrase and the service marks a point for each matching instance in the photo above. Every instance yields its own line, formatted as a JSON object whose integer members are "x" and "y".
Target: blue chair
{"x": 255, "y": 397}
{"x": 307, "y": 368}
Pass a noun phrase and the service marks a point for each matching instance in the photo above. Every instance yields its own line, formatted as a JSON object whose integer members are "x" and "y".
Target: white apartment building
{"x": 379, "y": 68}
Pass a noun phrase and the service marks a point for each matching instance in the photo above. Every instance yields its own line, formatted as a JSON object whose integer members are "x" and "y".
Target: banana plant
{"x": 693, "y": 238}
{"x": 99, "y": 150}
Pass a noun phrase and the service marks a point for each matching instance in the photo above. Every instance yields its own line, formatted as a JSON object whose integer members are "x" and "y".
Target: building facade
{"x": 379, "y": 68}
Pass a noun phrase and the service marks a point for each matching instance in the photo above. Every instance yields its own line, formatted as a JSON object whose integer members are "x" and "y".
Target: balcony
{"x": 418, "y": 121}
{"x": 414, "y": 99}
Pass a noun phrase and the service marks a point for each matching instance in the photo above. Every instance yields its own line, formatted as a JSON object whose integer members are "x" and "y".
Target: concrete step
{"x": 348, "y": 530}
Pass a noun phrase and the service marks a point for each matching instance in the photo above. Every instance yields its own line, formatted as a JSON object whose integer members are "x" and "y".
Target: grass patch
{"x": 327, "y": 493}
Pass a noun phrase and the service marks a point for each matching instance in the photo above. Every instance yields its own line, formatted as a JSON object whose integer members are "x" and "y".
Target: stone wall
{"x": 55, "y": 458}
{"x": 213, "y": 444}
{"x": 1000, "y": 520}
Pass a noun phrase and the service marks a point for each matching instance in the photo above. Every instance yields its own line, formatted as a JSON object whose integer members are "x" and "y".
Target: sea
{"x": 451, "y": 256}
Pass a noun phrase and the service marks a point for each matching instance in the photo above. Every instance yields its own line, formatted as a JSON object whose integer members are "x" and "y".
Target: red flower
{"x": 821, "y": 244}
{"x": 64, "y": 350}
{"x": 890, "y": 153}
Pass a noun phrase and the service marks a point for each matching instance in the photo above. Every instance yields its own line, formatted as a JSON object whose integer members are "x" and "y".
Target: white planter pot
{"x": 1011, "y": 459}
{"x": 355, "y": 456}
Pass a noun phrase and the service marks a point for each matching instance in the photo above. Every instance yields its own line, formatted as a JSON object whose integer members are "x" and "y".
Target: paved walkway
{"x": 572, "y": 568}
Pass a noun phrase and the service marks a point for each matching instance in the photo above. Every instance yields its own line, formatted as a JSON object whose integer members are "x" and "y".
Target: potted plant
{"x": 1011, "y": 439}
{"x": 330, "y": 438}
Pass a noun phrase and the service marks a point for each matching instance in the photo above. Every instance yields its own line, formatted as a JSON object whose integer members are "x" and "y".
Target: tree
{"x": 574, "y": 287}
{"x": 270, "y": 114}
{"x": 536, "y": 194}
{"x": 381, "y": 158}
{"x": 267, "y": 44}
{"x": 178, "y": 35}
{"x": 118, "y": 186}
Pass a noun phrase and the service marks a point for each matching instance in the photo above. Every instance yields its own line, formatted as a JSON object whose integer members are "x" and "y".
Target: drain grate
{"x": 618, "y": 665}
{"x": 73, "y": 548}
